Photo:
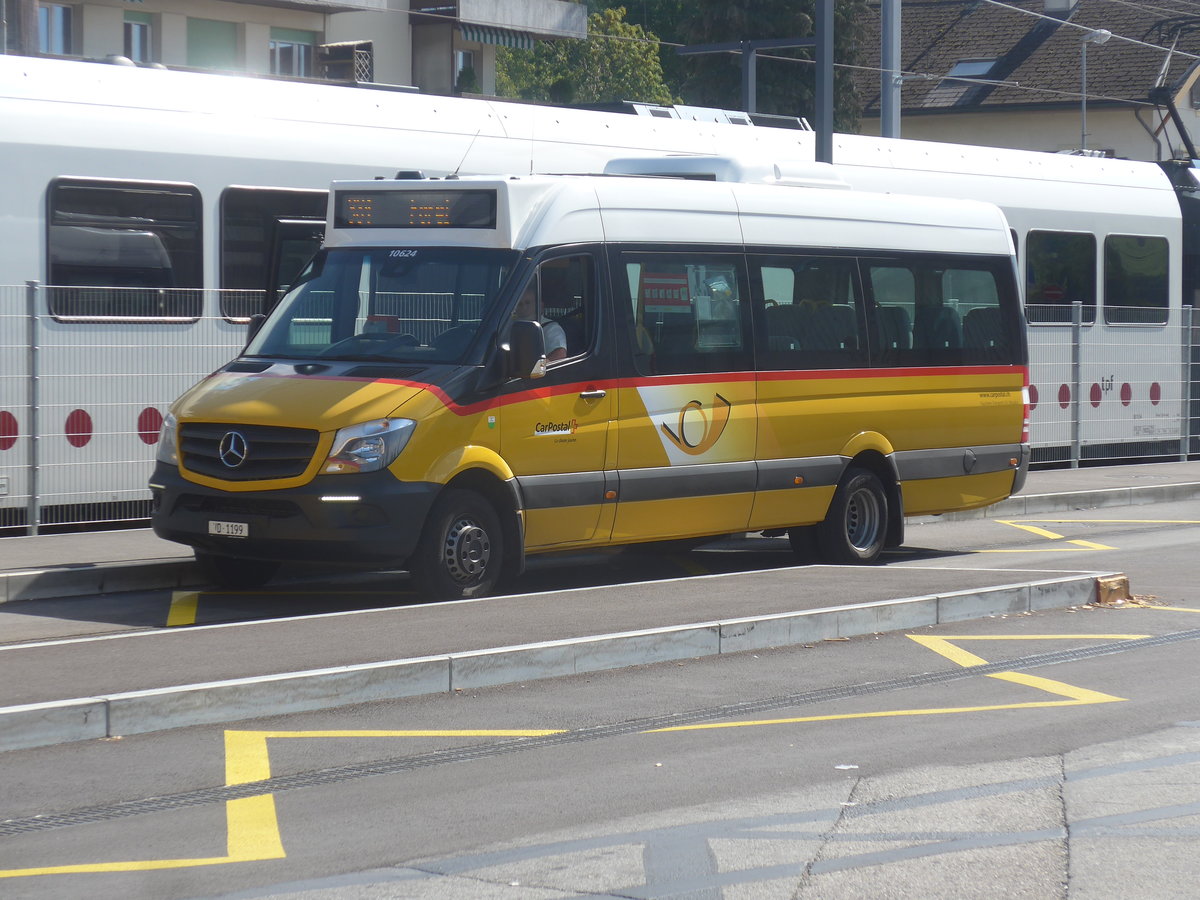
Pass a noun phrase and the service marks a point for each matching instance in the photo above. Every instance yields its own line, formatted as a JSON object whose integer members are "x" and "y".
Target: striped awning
{"x": 501, "y": 37}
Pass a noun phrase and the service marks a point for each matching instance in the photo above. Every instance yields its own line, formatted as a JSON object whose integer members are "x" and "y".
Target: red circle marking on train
{"x": 1033, "y": 397}
{"x": 1096, "y": 394}
{"x": 1155, "y": 393}
{"x": 1126, "y": 394}
{"x": 149, "y": 425}
{"x": 8, "y": 430}
{"x": 1064, "y": 396}
{"x": 79, "y": 428}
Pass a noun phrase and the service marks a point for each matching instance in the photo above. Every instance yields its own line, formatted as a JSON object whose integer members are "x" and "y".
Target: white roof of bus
{"x": 535, "y": 211}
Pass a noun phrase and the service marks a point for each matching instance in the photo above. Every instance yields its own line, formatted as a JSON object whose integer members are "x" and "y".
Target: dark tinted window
{"x": 124, "y": 249}
{"x": 1135, "y": 279}
{"x": 248, "y": 227}
{"x": 811, "y": 313}
{"x": 1060, "y": 268}
{"x": 688, "y": 310}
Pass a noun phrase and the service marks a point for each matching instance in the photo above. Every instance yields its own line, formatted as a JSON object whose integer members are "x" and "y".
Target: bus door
{"x": 686, "y": 417}
{"x": 555, "y": 429}
{"x": 812, "y": 351}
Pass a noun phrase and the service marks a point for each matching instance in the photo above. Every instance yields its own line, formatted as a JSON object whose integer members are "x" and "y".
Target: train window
{"x": 1135, "y": 279}
{"x": 123, "y": 249}
{"x": 688, "y": 312}
{"x": 249, "y": 221}
{"x": 1060, "y": 268}
{"x": 811, "y": 313}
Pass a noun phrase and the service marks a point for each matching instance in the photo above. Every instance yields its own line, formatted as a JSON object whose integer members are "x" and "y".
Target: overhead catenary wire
{"x": 1013, "y": 85}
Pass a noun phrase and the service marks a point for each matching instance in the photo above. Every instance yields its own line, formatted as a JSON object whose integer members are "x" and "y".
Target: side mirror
{"x": 526, "y": 349}
{"x": 256, "y": 323}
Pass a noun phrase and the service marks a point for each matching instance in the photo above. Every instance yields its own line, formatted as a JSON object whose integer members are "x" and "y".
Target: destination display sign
{"x": 415, "y": 209}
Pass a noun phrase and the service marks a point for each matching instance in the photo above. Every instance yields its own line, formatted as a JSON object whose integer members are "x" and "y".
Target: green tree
{"x": 618, "y": 61}
{"x": 785, "y": 83}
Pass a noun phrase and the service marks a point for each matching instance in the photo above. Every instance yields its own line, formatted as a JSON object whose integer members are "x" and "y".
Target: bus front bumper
{"x": 364, "y": 520}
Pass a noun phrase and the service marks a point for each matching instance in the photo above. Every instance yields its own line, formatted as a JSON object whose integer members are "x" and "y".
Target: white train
{"x": 142, "y": 209}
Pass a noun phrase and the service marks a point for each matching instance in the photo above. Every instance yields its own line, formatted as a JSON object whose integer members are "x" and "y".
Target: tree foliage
{"x": 785, "y": 83}
{"x": 618, "y": 61}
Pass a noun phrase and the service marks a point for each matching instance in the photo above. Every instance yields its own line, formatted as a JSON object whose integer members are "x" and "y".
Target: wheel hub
{"x": 467, "y": 550}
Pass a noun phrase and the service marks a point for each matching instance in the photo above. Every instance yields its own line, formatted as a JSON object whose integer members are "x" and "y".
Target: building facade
{"x": 436, "y": 46}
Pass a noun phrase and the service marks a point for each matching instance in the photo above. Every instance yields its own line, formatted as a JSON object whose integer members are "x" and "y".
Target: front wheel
{"x": 461, "y": 551}
{"x": 855, "y": 528}
{"x": 233, "y": 573}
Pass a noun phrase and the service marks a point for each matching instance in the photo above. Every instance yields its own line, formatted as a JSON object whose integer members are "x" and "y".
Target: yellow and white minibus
{"x": 475, "y": 369}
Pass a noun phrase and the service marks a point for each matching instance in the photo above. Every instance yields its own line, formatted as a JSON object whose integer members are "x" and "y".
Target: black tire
{"x": 855, "y": 528}
{"x": 461, "y": 551}
{"x": 233, "y": 573}
{"x": 803, "y": 539}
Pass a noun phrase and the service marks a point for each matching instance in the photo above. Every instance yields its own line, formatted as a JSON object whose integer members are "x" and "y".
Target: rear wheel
{"x": 855, "y": 528}
{"x": 461, "y": 552}
{"x": 234, "y": 573}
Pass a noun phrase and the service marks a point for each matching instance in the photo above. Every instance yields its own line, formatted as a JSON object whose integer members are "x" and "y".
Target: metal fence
{"x": 82, "y": 398}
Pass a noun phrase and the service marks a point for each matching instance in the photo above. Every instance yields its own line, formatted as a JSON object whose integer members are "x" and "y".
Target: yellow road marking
{"x": 1054, "y": 536}
{"x": 1177, "y": 608}
{"x": 1074, "y": 696}
{"x": 252, "y": 823}
{"x": 183, "y": 608}
{"x": 1033, "y": 529}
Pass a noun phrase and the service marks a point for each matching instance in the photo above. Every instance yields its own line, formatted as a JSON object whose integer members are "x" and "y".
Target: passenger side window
{"x": 931, "y": 312}
{"x": 688, "y": 312}
{"x": 1135, "y": 279}
{"x": 124, "y": 249}
{"x": 561, "y": 295}
{"x": 811, "y": 313}
{"x": 1060, "y": 268}
{"x": 249, "y": 219}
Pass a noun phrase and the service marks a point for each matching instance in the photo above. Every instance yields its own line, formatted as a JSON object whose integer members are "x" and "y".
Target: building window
{"x": 54, "y": 29}
{"x": 466, "y": 75}
{"x": 212, "y": 44}
{"x": 292, "y": 52}
{"x": 137, "y": 37}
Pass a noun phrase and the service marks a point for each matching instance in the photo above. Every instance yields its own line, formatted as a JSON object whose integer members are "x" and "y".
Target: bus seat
{"x": 982, "y": 328}
{"x": 937, "y": 328}
{"x": 895, "y": 328}
{"x": 831, "y": 327}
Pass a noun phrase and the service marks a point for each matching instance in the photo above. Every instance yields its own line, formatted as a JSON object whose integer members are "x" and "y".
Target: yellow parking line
{"x": 1033, "y": 529}
{"x": 183, "y": 608}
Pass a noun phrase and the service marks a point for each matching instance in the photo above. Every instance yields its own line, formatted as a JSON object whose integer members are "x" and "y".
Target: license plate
{"x": 229, "y": 529}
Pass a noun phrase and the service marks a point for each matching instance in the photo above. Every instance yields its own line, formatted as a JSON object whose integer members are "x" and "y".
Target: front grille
{"x": 238, "y": 506}
{"x": 245, "y": 452}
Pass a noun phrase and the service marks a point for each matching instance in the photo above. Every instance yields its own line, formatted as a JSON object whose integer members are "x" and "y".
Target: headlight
{"x": 167, "y": 449}
{"x": 368, "y": 447}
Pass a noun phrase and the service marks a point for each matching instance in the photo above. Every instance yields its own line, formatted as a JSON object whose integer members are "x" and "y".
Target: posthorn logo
{"x": 234, "y": 449}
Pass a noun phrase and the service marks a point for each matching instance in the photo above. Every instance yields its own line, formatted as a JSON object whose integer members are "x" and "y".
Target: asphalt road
{"x": 1054, "y": 754}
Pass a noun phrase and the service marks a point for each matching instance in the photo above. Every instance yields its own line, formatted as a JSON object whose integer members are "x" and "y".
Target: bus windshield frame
{"x": 413, "y": 305}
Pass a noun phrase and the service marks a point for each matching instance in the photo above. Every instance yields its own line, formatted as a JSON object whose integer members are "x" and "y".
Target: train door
{"x": 555, "y": 430}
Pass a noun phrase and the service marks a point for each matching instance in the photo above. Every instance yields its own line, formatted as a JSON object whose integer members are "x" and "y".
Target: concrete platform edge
{"x": 140, "y": 712}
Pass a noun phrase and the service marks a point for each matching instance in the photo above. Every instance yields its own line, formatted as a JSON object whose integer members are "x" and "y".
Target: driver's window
{"x": 561, "y": 296}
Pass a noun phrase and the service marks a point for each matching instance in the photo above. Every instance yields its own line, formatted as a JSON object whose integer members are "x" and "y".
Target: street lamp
{"x": 1095, "y": 36}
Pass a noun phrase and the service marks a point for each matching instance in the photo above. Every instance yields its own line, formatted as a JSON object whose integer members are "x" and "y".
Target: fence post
{"x": 1076, "y": 379}
{"x": 1190, "y": 370}
{"x": 33, "y": 515}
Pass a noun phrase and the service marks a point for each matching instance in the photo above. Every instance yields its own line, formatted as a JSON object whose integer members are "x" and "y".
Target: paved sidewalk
{"x": 67, "y": 565}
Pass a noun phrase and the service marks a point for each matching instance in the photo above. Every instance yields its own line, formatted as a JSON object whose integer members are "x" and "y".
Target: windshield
{"x": 421, "y": 305}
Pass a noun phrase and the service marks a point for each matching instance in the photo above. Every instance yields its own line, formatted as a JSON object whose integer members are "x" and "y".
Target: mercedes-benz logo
{"x": 233, "y": 449}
